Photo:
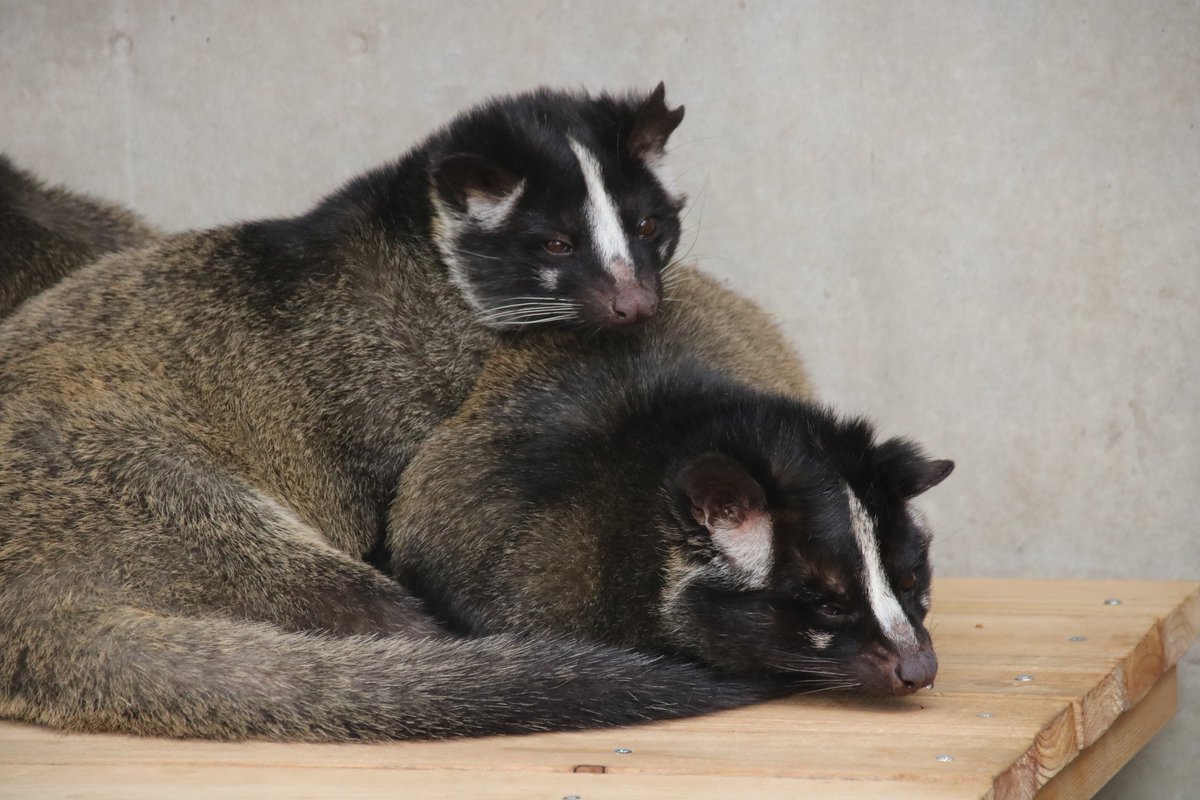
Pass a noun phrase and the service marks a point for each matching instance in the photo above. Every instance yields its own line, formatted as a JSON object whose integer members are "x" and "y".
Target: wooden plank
{"x": 1006, "y": 737}
{"x": 773, "y": 751}
{"x": 305, "y": 783}
{"x": 1177, "y": 603}
{"x": 1181, "y": 628}
{"x": 1096, "y": 765}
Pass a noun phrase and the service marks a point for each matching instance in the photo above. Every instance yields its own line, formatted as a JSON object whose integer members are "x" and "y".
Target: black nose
{"x": 915, "y": 671}
{"x": 632, "y": 305}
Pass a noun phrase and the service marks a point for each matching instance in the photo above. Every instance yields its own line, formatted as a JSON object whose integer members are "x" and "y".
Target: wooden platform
{"x": 1101, "y": 683}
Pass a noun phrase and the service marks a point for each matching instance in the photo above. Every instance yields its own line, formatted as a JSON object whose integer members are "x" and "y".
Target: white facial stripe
{"x": 884, "y": 605}
{"x": 490, "y": 212}
{"x": 604, "y": 222}
{"x": 749, "y": 547}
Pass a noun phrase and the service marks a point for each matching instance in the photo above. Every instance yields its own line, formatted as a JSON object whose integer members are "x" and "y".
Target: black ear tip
{"x": 936, "y": 472}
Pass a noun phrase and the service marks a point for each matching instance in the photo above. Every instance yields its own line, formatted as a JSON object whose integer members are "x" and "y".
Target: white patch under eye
{"x": 548, "y": 278}
{"x": 748, "y": 546}
{"x": 490, "y": 212}
{"x": 604, "y": 222}
{"x": 884, "y": 605}
{"x": 658, "y": 168}
{"x": 820, "y": 640}
{"x": 921, "y": 523}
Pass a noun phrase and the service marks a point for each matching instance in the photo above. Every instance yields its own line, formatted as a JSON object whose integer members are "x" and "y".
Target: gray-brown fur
{"x": 47, "y": 232}
{"x": 712, "y": 324}
{"x": 185, "y": 502}
{"x": 198, "y": 443}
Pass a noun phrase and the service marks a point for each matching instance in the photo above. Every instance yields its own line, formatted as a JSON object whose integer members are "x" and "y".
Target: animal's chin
{"x": 616, "y": 327}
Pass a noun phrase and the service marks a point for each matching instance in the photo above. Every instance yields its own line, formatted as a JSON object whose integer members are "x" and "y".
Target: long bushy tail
{"x": 132, "y": 671}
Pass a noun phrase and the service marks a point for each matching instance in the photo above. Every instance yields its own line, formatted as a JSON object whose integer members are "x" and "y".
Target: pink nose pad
{"x": 632, "y": 305}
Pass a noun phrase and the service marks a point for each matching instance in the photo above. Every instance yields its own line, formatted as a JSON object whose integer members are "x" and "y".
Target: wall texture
{"x": 979, "y": 221}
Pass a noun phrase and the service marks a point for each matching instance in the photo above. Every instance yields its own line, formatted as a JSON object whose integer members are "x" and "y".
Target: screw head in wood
{"x": 622, "y": 751}
{"x": 1112, "y": 601}
{"x": 945, "y": 758}
{"x": 1076, "y": 638}
{"x": 985, "y": 715}
{"x": 1023, "y": 678}
{"x": 572, "y": 797}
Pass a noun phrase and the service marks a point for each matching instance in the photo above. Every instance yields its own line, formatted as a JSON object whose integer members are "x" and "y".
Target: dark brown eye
{"x": 646, "y": 227}
{"x": 557, "y": 247}
{"x": 833, "y": 610}
{"x": 908, "y": 582}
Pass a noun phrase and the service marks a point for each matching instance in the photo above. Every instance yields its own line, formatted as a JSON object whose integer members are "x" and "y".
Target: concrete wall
{"x": 980, "y": 221}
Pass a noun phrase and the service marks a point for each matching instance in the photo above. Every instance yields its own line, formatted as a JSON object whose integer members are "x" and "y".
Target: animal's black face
{"x": 551, "y": 210}
{"x": 810, "y": 571}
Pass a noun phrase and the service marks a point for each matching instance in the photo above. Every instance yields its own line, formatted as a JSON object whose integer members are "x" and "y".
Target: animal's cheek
{"x": 549, "y": 278}
{"x": 818, "y": 640}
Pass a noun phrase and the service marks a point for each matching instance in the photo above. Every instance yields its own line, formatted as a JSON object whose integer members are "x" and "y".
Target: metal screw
{"x": 622, "y": 751}
{"x": 945, "y": 758}
{"x": 1076, "y": 638}
{"x": 1112, "y": 601}
{"x": 984, "y": 715}
{"x": 572, "y": 797}
{"x": 1024, "y": 678}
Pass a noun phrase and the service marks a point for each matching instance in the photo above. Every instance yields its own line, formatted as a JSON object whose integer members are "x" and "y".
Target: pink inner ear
{"x": 715, "y": 482}
{"x": 727, "y": 515}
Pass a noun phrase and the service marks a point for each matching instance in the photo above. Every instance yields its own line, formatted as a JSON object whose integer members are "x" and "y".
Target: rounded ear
{"x": 722, "y": 493}
{"x": 731, "y": 505}
{"x": 464, "y": 178}
{"x": 655, "y": 122}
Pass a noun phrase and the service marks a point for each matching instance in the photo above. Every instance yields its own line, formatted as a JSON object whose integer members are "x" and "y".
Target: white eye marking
{"x": 884, "y": 605}
{"x": 611, "y": 241}
{"x": 490, "y": 212}
{"x": 818, "y": 639}
{"x": 548, "y": 278}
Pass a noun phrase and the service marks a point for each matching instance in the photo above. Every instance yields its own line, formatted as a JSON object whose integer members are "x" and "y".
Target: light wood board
{"x": 1091, "y": 704}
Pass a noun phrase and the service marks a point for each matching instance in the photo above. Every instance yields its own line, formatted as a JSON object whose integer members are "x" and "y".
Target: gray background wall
{"x": 979, "y": 221}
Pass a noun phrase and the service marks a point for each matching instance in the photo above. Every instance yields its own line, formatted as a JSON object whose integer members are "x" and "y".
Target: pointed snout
{"x": 914, "y": 671}
{"x": 631, "y": 305}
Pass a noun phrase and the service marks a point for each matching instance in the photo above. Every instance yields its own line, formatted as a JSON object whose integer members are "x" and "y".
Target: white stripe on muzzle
{"x": 604, "y": 222}
{"x": 884, "y": 605}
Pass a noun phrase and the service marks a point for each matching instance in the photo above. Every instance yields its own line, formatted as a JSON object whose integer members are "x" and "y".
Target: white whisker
{"x": 478, "y": 255}
{"x": 532, "y": 315}
{"x": 509, "y": 310}
{"x": 507, "y": 323}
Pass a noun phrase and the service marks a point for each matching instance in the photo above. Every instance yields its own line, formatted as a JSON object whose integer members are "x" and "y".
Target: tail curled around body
{"x": 133, "y": 671}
